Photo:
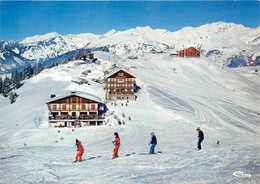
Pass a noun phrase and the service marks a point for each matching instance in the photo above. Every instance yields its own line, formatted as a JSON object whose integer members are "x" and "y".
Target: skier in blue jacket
{"x": 153, "y": 143}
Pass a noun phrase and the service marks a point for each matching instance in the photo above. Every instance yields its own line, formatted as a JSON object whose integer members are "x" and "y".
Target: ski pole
{"x": 122, "y": 151}
{"x": 157, "y": 148}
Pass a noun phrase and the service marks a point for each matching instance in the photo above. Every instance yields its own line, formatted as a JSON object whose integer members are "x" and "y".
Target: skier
{"x": 201, "y": 138}
{"x": 117, "y": 145}
{"x": 80, "y": 149}
{"x": 153, "y": 143}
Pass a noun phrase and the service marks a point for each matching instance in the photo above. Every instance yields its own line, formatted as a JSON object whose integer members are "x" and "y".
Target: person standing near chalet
{"x": 80, "y": 150}
{"x": 153, "y": 143}
{"x": 117, "y": 145}
{"x": 201, "y": 137}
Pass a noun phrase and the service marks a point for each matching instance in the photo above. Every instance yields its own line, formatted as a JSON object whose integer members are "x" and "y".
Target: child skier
{"x": 117, "y": 145}
{"x": 81, "y": 151}
{"x": 153, "y": 143}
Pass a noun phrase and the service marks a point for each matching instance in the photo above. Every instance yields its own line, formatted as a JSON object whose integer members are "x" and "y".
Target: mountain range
{"x": 224, "y": 43}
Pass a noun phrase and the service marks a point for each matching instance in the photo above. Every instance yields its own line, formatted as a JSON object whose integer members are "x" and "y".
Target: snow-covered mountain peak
{"x": 109, "y": 33}
{"x": 39, "y": 38}
{"x": 143, "y": 29}
{"x": 220, "y": 41}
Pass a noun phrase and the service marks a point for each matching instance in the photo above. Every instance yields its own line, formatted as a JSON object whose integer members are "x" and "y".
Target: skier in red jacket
{"x": 117, "y": 145}
{"x": 81, "y": 151}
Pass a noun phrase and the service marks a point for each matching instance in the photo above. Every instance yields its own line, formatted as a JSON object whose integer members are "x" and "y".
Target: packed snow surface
{"x": 177, "y": 95}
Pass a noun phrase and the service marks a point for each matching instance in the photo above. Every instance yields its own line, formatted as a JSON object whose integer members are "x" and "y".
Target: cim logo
{"x": 241, "y": 174}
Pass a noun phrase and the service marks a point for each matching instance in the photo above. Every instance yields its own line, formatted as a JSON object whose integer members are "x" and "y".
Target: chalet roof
{"x": 115, "y": 71}
{"x": 187, "y": 48}
{"x": 79, "y": 94}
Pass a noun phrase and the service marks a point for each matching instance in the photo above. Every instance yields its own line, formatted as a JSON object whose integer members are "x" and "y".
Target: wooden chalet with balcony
{"x": 190, "y": 52}
{"x": 120, "y": 85}
{"x": 74, "y": 109}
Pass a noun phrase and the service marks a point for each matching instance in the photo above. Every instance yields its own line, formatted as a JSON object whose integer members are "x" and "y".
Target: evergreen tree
{"x": 6, "y": 86}
{"x": 1, "y": 85}
{"x": 13, "y": 96}
{"x": 16, "y": 79}
{"x": 27, "y": 72}
{"x": 37, "y": 69}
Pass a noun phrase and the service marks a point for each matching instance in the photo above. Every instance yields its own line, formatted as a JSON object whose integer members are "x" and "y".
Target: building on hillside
{"x": 75, "y": 109}
{"x": 89, "y": 57}
{"x": 189, "y": 52}
{"x": 120, "y": 85}
{"x": 175, "y": 54}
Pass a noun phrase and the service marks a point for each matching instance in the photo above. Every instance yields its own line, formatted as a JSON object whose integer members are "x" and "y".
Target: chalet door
{"x": 73, "y": 114}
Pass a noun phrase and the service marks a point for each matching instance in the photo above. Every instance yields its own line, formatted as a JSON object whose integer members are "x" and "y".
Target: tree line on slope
{"x": 9, "y": 85}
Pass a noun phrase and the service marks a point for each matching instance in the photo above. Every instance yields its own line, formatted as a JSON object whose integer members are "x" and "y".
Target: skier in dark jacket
{"x": 153, "y": 143}
{"x": 201, "y": 138}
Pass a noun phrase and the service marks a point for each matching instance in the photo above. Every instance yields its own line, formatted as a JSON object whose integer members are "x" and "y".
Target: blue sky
{"x": 19, "y": 20}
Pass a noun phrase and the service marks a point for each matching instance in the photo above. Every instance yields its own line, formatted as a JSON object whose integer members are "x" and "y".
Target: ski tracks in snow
{"x": 177, "y": 104}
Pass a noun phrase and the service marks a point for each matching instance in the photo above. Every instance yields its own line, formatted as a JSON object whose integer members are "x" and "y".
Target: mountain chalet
{"x": 190, "y": 52}
{"x": 120, "y": 85}
{"x": 75, "y": 109}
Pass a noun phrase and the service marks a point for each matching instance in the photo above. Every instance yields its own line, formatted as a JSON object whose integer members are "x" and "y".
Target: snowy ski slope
{"x": 177, "y": 95}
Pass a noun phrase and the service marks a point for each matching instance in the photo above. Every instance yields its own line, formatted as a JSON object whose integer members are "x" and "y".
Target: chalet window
{"x": 121, "y": 74}
{"x": 93, "y": 107}
{"x": 74, "y": 107}
{"x": 115, "y": 79}
{"x": 74, "y": 99}
{"x": 121, "y": 80}
{"x": 83, "y": 107}
{"x": 64, "y": 107}
{"x": 54, "y": 114}
{"x": 92, "y": 113}
{"x": 84, "y": 100}
{"x": 54, "y": 107}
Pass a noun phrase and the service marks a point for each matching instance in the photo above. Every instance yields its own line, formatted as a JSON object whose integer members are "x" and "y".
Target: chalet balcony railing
{"x": 120, "y": 82}
{"x": 121, "y": 88}
{"x": 120, "y": 93}
{"x": 64, "y": 118}
{"x": 72, "y": 109}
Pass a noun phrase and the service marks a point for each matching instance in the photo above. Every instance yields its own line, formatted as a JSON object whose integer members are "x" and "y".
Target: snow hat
{"x": 116, "y": 133}
{"x": 198, "y": 128}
